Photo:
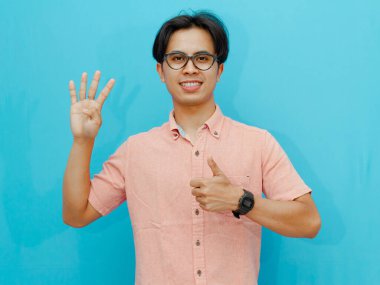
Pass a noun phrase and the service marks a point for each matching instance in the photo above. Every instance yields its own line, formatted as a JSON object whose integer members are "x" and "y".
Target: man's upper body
{"x": 183, "y": 179}
{"x": 176, "y": 241}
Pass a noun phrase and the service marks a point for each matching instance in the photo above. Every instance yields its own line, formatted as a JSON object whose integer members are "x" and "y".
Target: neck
{"x": 190, "y": 118}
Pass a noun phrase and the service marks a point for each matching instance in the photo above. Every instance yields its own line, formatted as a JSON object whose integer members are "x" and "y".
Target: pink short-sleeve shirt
{"x": 176, "y": 242}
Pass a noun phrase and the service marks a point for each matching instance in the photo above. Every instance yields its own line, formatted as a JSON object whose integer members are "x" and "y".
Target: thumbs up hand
{"x": 216, "y": 194}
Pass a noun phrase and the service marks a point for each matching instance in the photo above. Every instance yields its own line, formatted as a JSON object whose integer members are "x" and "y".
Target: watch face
{"x": 247, "y": 203}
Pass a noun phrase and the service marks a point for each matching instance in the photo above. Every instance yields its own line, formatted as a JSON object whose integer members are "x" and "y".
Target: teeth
{"x": 189, "y": 84}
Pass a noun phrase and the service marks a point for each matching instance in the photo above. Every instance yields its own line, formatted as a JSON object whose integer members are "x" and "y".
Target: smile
{"x": 190, "y": 83}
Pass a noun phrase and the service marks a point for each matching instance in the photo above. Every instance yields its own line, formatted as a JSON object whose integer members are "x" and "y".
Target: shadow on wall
{"x": 332, "y": 230}
{"x": 332, "y": 224}
{"x": 33, "y": 216}
{"x": 30, "y": 217}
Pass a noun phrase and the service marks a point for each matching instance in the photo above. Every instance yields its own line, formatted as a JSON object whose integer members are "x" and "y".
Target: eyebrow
{"x": 201, "y": 51}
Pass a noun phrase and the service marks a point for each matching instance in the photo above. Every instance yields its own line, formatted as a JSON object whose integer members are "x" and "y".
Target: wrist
{"x": 84, "y": 141}
{"x": 238, "y": 192}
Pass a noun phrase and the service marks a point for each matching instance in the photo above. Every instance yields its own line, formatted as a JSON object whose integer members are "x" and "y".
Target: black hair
{"x": 201, "y": 19}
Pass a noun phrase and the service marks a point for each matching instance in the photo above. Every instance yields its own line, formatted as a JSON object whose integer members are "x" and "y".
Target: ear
{"x": 160, "y": 71}
{"x": 220, "y": 71}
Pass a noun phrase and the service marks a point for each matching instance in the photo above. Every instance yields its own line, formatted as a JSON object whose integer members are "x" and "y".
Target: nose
{"x": 190, "y": 68}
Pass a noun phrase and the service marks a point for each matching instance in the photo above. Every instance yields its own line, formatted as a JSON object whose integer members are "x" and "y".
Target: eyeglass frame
{"x": 215, "y": 58}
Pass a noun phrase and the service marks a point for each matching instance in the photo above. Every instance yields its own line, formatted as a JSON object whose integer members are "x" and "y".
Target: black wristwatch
{"x": 246, "y": 203}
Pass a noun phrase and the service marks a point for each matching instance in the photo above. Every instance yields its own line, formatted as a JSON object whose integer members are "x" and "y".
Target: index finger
{"x": 197, "y": 192}
{"x": 104, "y": 93}
{"x": 197, "y": 182}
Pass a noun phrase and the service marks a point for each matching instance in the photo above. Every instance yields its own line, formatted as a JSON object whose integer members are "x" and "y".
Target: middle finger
{"x": 94, "y": 85}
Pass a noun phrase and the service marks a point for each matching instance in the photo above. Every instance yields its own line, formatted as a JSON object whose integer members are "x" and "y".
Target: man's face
{"x": 190, "y": 86}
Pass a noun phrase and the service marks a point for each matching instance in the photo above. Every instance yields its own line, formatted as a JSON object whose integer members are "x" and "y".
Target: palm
{"x": 85, "y": 114}
{"x": 83, "y": 125}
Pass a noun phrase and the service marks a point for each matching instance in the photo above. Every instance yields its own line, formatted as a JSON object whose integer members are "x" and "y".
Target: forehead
{"x": 191, "y": 41}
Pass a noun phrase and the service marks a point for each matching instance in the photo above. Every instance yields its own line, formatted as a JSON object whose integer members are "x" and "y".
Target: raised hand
{"x": 85, "y": 114}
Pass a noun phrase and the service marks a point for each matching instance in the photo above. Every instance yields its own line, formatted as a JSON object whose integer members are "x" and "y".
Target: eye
{"x": 203, "y": 58}
{"x": 177, "y": 58}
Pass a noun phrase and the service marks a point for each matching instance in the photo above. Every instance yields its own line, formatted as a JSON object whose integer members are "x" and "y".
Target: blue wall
{"x": 308, "y": 71}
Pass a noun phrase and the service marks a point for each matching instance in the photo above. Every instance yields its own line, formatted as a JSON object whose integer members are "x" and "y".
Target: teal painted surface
{"x": 308, "y": 71}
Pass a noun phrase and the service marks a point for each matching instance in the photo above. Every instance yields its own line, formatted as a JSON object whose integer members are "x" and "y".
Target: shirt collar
{"x": 214, "y": 124}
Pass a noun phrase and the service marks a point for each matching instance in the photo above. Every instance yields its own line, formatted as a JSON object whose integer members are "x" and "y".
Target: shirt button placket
{"x": 198, "y": 218}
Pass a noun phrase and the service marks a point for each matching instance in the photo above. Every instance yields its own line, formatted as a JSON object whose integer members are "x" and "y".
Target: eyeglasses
{"x": 202, "y": 60}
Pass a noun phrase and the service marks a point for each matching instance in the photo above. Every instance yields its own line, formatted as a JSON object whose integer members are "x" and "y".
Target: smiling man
{"x": 193, "y": 185}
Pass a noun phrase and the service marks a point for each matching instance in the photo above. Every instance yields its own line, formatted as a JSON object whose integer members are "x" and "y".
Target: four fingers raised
{"x": 92, "y": 91}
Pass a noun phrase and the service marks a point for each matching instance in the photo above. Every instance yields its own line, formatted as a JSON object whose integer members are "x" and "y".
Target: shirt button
{"x": 198, "y": 243}
{"x": 216, "y": 133}
{"x": 199, "y": 272}
{"x": 197, "y": 153}
{"x": 197, "y": 212}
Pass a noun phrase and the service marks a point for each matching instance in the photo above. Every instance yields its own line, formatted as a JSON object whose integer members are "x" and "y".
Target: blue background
{"x": 308, "y": 71}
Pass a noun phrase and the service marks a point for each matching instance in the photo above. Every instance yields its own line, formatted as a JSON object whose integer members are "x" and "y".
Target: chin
{"x": 191, "y": 102}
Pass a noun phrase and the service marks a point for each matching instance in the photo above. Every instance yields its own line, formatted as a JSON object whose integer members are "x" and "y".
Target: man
{"x": 194, "y": 185}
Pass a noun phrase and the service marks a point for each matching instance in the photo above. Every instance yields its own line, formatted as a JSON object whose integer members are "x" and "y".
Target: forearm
{"x": 297, "y": 218}
{"x": 76, "y": 183}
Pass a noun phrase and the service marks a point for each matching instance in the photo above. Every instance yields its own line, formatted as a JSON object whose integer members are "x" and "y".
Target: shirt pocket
{"x": 241, "y": 180}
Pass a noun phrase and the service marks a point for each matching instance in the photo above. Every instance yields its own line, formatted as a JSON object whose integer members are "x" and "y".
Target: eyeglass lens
{"x": 179, "y": 60}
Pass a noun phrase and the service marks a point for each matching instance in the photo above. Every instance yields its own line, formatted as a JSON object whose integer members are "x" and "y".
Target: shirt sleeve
{"x": 108, "y": 187}
{"x": 280, "y": 180}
